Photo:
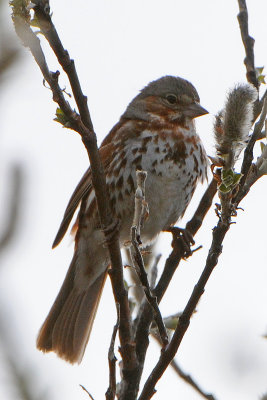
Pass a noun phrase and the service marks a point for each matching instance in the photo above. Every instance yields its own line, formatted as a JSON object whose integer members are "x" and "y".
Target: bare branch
{"x": 152, "y": 300}
{"x": 111, "y": 391}
{"x": 140, "y": 211}
{"x": 258, "y": 107}
{"x": 153, "y": 273}
{"x": 141, "y": 208}
{"x": 187, "y": 378}
{"x": 150, "y": 261}
{"x": 248, "y": 42}
{"x": 249, "y": 173}
{"x": 68, "y": 65}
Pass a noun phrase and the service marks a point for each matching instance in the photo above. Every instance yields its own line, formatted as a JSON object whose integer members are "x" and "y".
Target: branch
{"x": 111, "y": 392}
{"x": 249, "y": 173}
{"x": 152, "y": 300}
{"x": 259, "y": 107}
{"x": 83, "y": 125}
{"x": 169, "y": 352}
{"x": 150, "y": 261}
{"x": 187, "y": 378}
{"x": 140, "y": 212}
{"x": 68, "y": 65}
{"x": 248, "y": 43}
{"x": 192, "y": 226}
{"x": 145, "y": 316}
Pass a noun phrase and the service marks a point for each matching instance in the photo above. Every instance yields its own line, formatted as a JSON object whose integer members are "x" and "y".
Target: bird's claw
{"x": 185, "y": 237}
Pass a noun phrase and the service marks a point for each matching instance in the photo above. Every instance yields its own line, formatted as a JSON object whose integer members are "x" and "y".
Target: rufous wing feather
{"x": 81, "y": 190}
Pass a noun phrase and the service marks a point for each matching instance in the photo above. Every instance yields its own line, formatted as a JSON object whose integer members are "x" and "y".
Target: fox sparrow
{"x": 157, "y": 134}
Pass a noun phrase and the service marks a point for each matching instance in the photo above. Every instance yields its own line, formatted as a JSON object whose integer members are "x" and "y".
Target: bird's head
{"x": 169, "y": 97}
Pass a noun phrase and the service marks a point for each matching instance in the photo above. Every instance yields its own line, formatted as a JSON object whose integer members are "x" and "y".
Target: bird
{"x": 155, "y": 134}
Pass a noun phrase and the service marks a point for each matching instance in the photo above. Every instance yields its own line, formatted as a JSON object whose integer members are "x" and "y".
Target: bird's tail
{"x": 68, "y": 325}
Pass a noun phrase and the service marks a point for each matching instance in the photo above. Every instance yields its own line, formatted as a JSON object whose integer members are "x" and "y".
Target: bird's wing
{"x": 81, "y": 191}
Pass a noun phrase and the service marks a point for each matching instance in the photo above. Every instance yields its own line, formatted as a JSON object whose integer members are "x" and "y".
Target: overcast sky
{"x": 118, "y": 47}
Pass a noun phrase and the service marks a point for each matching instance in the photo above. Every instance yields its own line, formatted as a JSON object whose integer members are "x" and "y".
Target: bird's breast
{"x": 174, "y": 161}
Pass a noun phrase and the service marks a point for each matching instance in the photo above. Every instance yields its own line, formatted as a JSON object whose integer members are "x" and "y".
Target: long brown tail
{"x": 68, "y": 325}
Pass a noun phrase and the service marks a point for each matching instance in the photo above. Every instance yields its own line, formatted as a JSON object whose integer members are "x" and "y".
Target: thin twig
{"x": 152, "y": 300}
{"x": 258, "y": 108}
{"x": 49, "y": 31}
{"x": 140, "y": 207}
{"x": 140, "y": 211}
{"x": 153, "y": 272}
{"x": 248, "y": 43}
{"x": 248, "y": 156}
{"x": 149, "y": 258}
{"x": 187, "y": 378}
{"x": 111, "y": 391}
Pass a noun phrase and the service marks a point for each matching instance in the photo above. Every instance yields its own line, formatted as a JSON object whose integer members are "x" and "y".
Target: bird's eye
{"x": 171, "y": 98}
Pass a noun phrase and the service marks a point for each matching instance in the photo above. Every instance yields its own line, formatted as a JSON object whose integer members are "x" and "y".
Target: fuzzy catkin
{"x": 233, "y": 123}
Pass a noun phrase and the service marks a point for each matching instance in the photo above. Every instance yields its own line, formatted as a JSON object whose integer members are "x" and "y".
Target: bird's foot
{"x": 185, "y": 238}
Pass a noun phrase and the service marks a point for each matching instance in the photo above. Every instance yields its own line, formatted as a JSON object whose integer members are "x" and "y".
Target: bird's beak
{"x": 194, "y": 110}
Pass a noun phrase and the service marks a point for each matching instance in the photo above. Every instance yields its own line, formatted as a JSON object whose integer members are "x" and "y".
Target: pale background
{"x": 118, "y": 48}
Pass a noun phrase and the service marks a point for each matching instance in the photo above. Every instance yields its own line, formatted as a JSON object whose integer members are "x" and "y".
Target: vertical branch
{"x": 82, "y": 124}
{"x": 111, "y": 392}
{"x": 248, "y": 43}
{"x": 140, "y": 213}
{"x": 248, "y": 169}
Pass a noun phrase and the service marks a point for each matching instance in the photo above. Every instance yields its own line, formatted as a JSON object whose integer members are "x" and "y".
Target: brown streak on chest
{"x": 119, "y": 182}
{"x": 145, "y": 140}
{"x": 137, "y": 161}
{"x": 179, "y": 152}
{"x": 130, "y": 182}
{"x": 194, "y": 140}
